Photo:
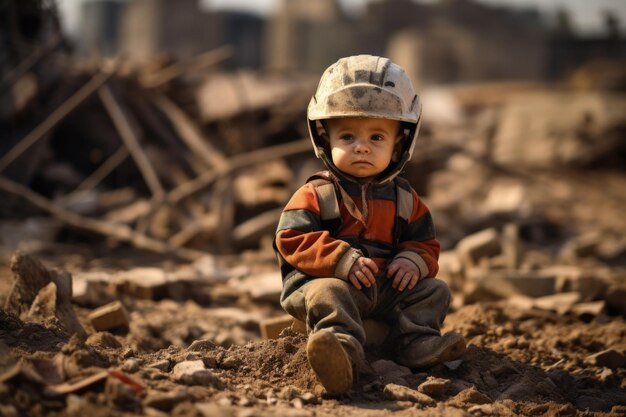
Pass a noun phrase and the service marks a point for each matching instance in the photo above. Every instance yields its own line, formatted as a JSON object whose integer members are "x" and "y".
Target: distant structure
{"x": 437, "y": 42}
{"x": 307, "y": 35}
{"x": 141, "y": 29}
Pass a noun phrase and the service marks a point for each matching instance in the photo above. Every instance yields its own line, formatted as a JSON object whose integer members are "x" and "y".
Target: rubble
{"x": 152, "y": 205}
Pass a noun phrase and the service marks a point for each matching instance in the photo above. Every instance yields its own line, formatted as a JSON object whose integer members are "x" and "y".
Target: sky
{"x": 587, "y": 15}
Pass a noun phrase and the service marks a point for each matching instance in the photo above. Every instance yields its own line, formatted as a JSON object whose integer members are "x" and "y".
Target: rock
{"x": 390, "y": 370}
{"x": 609, "y": 358}
{"x": 472, "y": 396}
{"x": 402, "y": 393}
{"x": 589, "y": 311}
{"x": 42, "y": 295}
{"x": 104, "y": 340}
{"x": 506, "y": 197}
{"x": 163, "y": 365}
{"x": 130, "y": 366}
{"x": 487, "y": 285}
{"x": 473, "y": 248}
{"x": 262, "y": 287}
{"x": 143, "y": 283}
{"x": 110, "y": 316}
{"x": 271, "y": 328}
{"x": 561, "y": 303}
{"x": 165, "y": 401}
{"x": 91, "y": 289}
{"x": 194, "y": 373}
{"x": 434, "y": 387}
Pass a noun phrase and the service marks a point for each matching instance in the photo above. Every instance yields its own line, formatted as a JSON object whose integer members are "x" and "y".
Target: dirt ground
{"x": 519, "y": 362}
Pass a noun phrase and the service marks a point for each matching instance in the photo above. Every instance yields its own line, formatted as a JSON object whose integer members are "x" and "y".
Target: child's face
{"x": 362, "y": 147}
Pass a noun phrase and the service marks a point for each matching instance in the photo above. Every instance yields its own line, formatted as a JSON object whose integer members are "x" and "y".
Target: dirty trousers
{"x": 334, "y": 304}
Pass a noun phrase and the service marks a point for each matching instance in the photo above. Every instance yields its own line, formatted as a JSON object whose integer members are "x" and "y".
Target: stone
{"x": 390, "y": 370}
{"x": 162, "y": 365}
{"x": 143, "y": 283}
{"x": 434, "y": 387}
{"x": 402, "y": 393}
{"x": 42, "y": 295}
{"x": 472, "y": 396}
{"x": 104, "y": 340}
{"x": 609, "y": 358}
{"x": 588, "y": 311}
{"x": 108, "y": 317}
{"x": 474, "y": 247}
{"x": 261, "y": 287}
{"x": 506, "y": 197}
{"x": 194, "y": 373}
{"x": 165, "y": 401}
{"x": 271, "y": 328}
{"x": 561, "y": 303}
{"x": 529, "y": 283}
{"x": 91, "y": 289}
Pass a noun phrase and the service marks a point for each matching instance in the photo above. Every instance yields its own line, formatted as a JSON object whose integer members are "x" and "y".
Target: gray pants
{"x": 331, "y": 303}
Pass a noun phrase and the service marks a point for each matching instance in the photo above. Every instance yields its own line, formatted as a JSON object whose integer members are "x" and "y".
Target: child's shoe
{"x": 330, "y": 362}
{"x": 428, "y": 351}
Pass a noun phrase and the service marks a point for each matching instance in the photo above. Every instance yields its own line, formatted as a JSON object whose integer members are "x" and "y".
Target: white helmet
{"x": 365, "y": 86}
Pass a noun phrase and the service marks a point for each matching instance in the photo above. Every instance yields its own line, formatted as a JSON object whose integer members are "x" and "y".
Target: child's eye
{"x": 377, "y": 138}
{"x": 346, "y": 137}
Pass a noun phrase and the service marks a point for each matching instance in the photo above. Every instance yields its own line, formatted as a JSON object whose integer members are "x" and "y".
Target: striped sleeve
{"x": 303, "y": 243}
{"x": 417, "y": 242}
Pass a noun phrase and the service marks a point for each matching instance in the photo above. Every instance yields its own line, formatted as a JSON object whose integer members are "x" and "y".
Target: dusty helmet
{"x": 365, "y": 86}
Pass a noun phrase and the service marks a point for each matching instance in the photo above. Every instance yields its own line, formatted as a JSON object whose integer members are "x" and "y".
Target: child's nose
{"x": 361, "y": 147}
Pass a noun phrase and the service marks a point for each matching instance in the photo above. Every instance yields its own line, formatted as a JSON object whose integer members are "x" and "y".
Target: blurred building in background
{"x": 442, "y": 42}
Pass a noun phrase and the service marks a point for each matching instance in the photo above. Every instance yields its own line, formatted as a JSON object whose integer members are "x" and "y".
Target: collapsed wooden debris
{"x": 188, "y": 175}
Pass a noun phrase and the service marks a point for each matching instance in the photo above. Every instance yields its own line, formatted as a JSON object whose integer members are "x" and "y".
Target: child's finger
{"x": 354, "y": 281}
{"x": 363, "y": 278}
{"x": 369, "y": 275}
{"x": 393, "y": 268}
{"x": 371, "y": 265}
{"x": 406, "y": 280}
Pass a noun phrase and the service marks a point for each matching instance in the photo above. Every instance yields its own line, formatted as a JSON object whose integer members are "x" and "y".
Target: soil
{"x": 518, "y": 363}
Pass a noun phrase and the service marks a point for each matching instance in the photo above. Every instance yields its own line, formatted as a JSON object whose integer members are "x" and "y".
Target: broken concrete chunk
{"x": 589, "y": 310}
{"x": 505, "y": 284}
{"x": 194, "y": 373}
{"x": 561, "y": 303}
{"x": 143, "y": 283}
{"x": 473, "y": 248}
{"x": 110, "y": 316}
{"x": 262, "y": 287}
{"x": 41, "y": 295}
{"x": 92, "y": 289}
{"x": 271, "y": 328}
{"x": 402, "y": 393}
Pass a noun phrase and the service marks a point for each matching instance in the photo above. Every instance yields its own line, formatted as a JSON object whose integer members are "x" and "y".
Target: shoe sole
{"x": 330, "y": 362}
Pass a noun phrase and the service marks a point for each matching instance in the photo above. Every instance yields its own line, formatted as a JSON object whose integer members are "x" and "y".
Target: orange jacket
{"x": 309, "y": 246}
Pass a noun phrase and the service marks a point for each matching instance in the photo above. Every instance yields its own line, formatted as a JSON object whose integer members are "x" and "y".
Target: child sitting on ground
{"x": 356, "y": 241}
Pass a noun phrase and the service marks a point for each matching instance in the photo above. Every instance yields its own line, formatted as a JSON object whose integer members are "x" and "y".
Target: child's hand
{"x": 404, "y": 273}
{"x": 364, "y": 272}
